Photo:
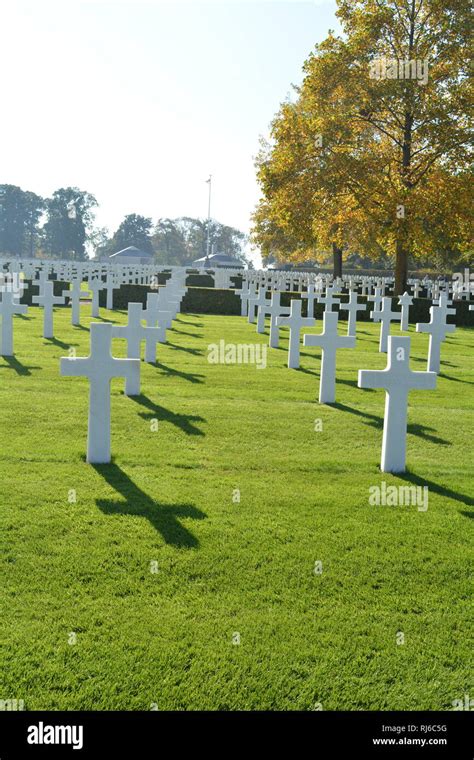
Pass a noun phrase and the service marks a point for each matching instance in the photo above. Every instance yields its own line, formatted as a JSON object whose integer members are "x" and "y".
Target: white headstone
{"x": 100, "y": 367}
{"x": 352, "y": 306}
{"x": 385, "y": 316}
{"x": 405, "y": 301}
{"x": 275, "y": 310}
{"x": 328, "y": 300}
{"x": 244, "y": 294}
{"x": 329, "y": 341}
{"x": 8, "y": 308}
{"x": 398, "y": 380}
{"x": 75, "y": 294}
{"x": 437, "y": 328}
{"x": 310, "y": 297}
{"x": 295, "y": 322}
{"x": 48, "y": 300}
{"x": 95, "y": 285}
{"x": 134, "y": 333}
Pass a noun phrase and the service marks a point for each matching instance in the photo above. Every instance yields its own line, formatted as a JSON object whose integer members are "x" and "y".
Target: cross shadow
{"x": 353, "y": 384}
{"x": 376, "y": 421}
{"x": 183, "y": 332}
{"x": 182, "y": 421}
{"x": 82, "y": 327}
{"x": 165, "y": 518}
{"x": 23, "y": 316}
{"x": 308, "y": 371}
{"x": 438, "y": 489}
{"x": 465, "y": 513}
{"x": 188, "y": 322}
{"x": 13, "y": 363}
{"x": 60, "y": 343}
{"x": 455, "y": 379}
{"x": 194, "y": 351}
{"x": 192, "y": 377}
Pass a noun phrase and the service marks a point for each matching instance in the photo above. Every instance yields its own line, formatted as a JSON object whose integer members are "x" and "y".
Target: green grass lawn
{"x": 155, "y": 569}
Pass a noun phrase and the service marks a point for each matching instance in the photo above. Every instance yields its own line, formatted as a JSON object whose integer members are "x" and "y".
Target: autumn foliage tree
{"x": 374, "y": 154}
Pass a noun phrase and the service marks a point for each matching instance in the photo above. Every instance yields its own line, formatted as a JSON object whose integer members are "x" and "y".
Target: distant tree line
{"x": 63, "y": 227}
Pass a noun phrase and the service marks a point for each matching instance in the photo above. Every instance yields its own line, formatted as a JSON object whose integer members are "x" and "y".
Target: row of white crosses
{"x": 397, "y": 379}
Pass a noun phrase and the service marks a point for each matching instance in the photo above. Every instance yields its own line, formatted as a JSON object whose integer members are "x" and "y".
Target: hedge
{"x": 33, "y": 290}
{"x": 213, "y": 301}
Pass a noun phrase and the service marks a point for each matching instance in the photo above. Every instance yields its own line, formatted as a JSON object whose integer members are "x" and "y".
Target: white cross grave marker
{"x": 328, "y": 299}
{"x": 95, "y": 286}
{"x": 8, "y": 307}
{"x": 352, "y": 306}
{"x": 310, "y": 296}
{"x": 156, "y": 316}
{"x": 75, "y": 294}
{"x": 275, "y": 310}
{"x": 295, "y": 322}
{"x": 405, "y": 301}
{"x": 100, "y": 367}
{"x": 110, "y": 286}
{"x": 376, "y": 298}
{"x": 134, "y": 332}
{"x": 437, "y": 328}
{"x": 330, "y": 341}
{"x": 385, "y": 316}
{"x": 260, "y": 299}
{"x": 47, "y": 300}
{"x": 397, "y": 379}
{"x": 244, "y": 294}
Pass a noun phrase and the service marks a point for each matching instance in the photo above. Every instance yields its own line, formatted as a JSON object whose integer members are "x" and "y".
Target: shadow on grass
{"x": 416, "y": 480}
{"x": 190, "y": 376}
{"x": 376, "y": 421}
{"x": 183, "y": 332}
{"x": 455, "y": 379}
{"x": 13, "y": 363}
{"x": 308, "y": 371}
{"x": 60, "y": 343}
{"x": 165, "y": 518}
{"x": 104, "y": 319}
{"x": 188, "y": 322}
{"x": 194, "y": 351}
{"x": 182, "y": 421}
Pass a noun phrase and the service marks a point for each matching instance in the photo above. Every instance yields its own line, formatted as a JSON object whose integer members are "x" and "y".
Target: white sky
{"x": 137, "y": 102}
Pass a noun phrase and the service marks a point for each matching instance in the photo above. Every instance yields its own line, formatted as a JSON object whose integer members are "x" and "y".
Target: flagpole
{"x": 209, "y": 181}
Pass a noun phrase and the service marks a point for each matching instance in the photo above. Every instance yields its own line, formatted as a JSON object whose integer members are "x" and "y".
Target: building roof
{"x": 132, "y": 252}
{"x": 220, "y": 260}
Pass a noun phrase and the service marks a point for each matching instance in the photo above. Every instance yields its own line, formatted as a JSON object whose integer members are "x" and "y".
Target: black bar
{"x": 310, "y": 734}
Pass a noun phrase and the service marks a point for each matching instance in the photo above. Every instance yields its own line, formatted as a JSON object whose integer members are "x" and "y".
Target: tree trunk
{"x": 337, "y": 260}
{"x": 401, "y": 268}
{"x": 403, "y": 238}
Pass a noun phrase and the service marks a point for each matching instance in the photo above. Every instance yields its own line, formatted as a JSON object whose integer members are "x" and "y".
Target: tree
{"x": 222, "y": 238}
{"x": 20, "y": 213}
{"x": 377, "y": 144}
{"x": 169, "y": 243}
{"x": 69, "y": 227}
{"x": 134, "y": 230}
